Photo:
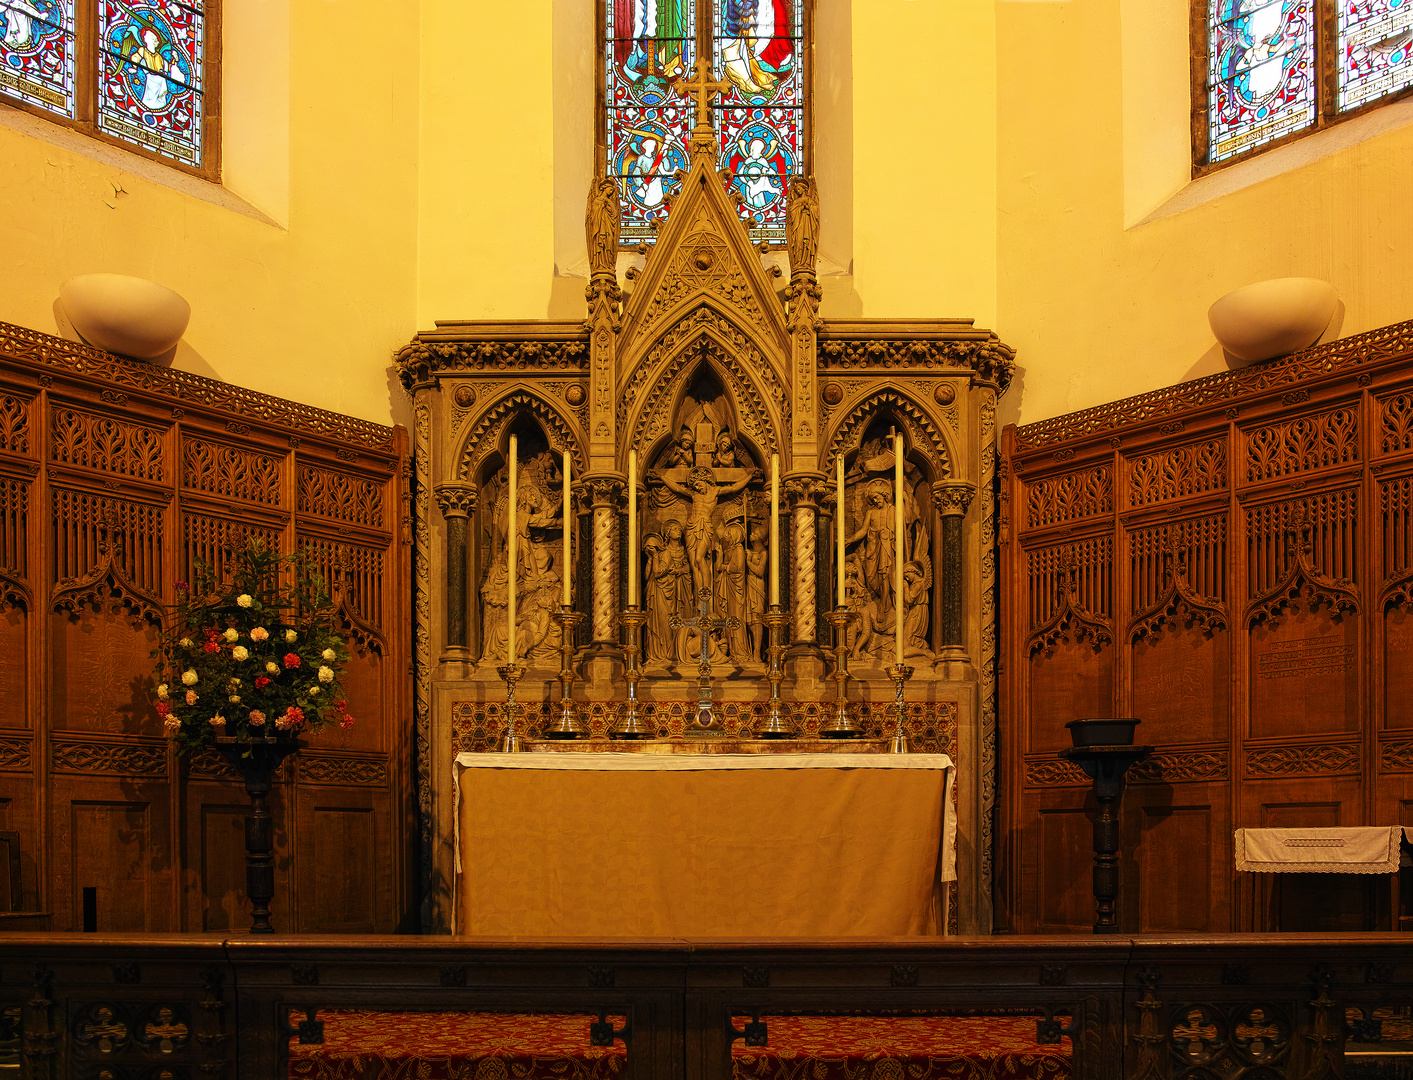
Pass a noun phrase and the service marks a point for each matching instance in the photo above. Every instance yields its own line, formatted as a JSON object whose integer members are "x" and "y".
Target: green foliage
{"x": 262, "y": 656}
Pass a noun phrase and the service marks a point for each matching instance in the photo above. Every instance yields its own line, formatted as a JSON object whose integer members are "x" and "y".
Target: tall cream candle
{"x": 839, "y": 524}
{"x": 510, "y": 555}
{"x": 568, "y": 520}
{"x": 774, "y": 529}
{"x": 633, "y": 557}
{"x": 898, "y": 548}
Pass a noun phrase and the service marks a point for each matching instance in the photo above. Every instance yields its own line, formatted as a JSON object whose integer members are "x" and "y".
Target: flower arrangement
{"x": 251, "y": 658}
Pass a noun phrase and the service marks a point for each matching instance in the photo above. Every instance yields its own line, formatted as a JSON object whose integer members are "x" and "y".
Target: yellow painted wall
{"x": 924, "y": 132}
{"x": 308, "y": 303}
{"x": 1009, "y": 160}
{"x": 1093, "y": 106}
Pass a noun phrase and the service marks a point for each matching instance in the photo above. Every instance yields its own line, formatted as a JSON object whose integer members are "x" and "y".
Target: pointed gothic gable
{"x": 703, "y": 254}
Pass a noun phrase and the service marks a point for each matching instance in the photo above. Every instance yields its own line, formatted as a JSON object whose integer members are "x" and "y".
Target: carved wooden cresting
{"x": 704, "y": 365}
{"x": 114, "y": 477}
{"x": 1229, "y": 560}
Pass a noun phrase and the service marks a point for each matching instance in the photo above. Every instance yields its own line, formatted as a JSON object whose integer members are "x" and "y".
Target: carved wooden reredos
{"x": 705, "y": 363}
{"x": 1228, "y": 560}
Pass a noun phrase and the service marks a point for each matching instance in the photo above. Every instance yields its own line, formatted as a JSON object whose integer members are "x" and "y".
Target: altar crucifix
{"x": 704, "y": 623}
{"x": 704, "y": 88}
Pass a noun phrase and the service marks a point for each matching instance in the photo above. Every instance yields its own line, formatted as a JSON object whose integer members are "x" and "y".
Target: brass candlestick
{"x": 899, "y": 673}
{"x": 512, "y": 743}
{"x": 632, "y": 726}
{"x": 776, "y": 726}
{"x": 567, "y": 725}
{"x": 842, "y": 726}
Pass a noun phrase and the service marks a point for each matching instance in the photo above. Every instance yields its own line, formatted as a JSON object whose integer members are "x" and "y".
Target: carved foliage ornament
{"x": 1070, "y": 496}
{"x": 1178, "y": 473}
{"x": 419, "y": 361}
{"x": 990, "y": 360}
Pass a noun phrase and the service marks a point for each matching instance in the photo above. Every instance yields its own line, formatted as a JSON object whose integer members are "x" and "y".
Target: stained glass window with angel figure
{"x": 139, "y": 73}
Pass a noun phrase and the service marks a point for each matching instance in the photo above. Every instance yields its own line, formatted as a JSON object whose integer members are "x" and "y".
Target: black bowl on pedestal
{"x": 1111, "y": 731}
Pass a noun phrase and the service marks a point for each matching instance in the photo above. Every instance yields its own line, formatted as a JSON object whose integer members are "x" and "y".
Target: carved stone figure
{"x": 601, "y": 226}
{"x": 757, "y": 565}
{"x": 802, "y": 223}
{"x": 732, "y": 589}
{"x": 539, "y": 577}
{"x": 703, "y": 492}
{"x": 668, "y": 591}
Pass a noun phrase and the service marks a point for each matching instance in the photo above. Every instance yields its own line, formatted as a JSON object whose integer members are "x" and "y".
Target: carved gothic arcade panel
{"x": 1254, "y": 531}
{"x": 147, "y": 471}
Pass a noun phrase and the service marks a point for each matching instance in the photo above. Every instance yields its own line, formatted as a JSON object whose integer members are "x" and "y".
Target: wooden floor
{"x": 218, "y": 1006}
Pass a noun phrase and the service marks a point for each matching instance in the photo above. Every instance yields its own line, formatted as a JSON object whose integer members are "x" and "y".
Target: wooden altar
{"x": 706, "y": 365}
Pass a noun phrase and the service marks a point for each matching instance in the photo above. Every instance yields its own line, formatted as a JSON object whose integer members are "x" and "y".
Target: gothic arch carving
{"x": 106, "y": 587}
{"x": 923, "y": 431}
{"x": 1207, "y": 615}
{"x": 1302, "y": 578}
{"x": 658, "y": 381}
{"x": 483, "y": 436}
{"x": 14, "y": 592}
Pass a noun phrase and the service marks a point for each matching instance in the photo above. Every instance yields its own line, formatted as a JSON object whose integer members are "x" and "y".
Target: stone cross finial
{"x": 704, "y": 88}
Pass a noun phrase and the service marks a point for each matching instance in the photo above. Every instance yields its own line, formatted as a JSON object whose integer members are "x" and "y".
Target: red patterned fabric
{"x": 493, "y": 1046}
{"x": 891, "y": 1048}
{"x": 454, "y": 1046}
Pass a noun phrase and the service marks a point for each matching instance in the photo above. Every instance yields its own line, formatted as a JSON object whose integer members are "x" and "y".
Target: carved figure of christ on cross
{"x": 702, "y": 490}
{"x": 704, "y": 88}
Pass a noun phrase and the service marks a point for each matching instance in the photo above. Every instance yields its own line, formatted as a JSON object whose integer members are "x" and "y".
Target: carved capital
{"x": 602, "y": 490}
{"x": 951, "y": 498}
{"x": 457, "y": 499}
{"x": 807, "y": 490}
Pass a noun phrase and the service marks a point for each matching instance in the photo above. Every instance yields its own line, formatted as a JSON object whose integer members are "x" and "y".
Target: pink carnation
{"x": 211, "y": 646}
{"x": 346, "y": 722}
{"x": 218, "y": 721}
{"x": 191, "y": 697}
{"x": 293, "y": 717}
{"x": 171, "y": 725}
{"x": 259, "y": 634}
{"x": 291, "y": 660}
{"x": 257, "y": 718}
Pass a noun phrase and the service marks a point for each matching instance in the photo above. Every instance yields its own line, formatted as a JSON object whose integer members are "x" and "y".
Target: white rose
{"x": 326, "y": 674}
{"x": 171, "y": 725}
{"x": 329, "y": 656}
{"x": 231, "y": 634}
{"x": 189, "y": 677}
{"x": 314, "y": 690}
{"x": 234, "y": 699}
{"x": 185, "y": 643}
{"x": 245, "y": 600}
{"x": 240, "y": 652}
{"x": 272, "y": 667}
{"x": 291, "y": 636}
{"x": 162, "y": 692}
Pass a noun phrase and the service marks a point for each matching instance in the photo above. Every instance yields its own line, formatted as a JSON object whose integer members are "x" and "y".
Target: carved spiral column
{"x": 457, "y": 502}
{"x": 604, "y": 494}
{"x": 951, "y": 500}
{"x": 802, "y": 493}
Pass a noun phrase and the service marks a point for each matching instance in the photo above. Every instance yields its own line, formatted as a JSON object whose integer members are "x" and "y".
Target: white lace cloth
{"x": 1355, "y": 849}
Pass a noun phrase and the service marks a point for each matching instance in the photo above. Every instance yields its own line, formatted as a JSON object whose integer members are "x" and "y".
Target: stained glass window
{"x": 756, "y": 45}
{"x": 149, "y": 76}
{"x": 1375, "y": 42}
{"x": 37, "y": 53}
{"x": 1262, "y": 73}
{"x": 1277, "y": 68}
{"x": 135, "y": 75}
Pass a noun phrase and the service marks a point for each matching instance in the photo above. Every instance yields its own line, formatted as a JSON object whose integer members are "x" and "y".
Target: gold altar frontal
{"x": 675, "y": 845}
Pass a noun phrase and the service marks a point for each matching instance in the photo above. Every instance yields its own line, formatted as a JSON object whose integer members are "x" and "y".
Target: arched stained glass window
{"x": 761, "y": 47}
{"x": 1272, "y": 70}
{"x": 135, "y": 72}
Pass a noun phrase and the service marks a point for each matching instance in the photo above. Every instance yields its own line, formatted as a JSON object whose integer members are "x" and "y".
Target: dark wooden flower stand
{"x": 257, "y": 760}
{"x": 1106, "y": 765}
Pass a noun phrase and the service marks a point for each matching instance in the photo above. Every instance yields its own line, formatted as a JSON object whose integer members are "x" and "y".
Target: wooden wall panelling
{"x": 1262, "y": 566}
{"x": 114, "y": 476}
